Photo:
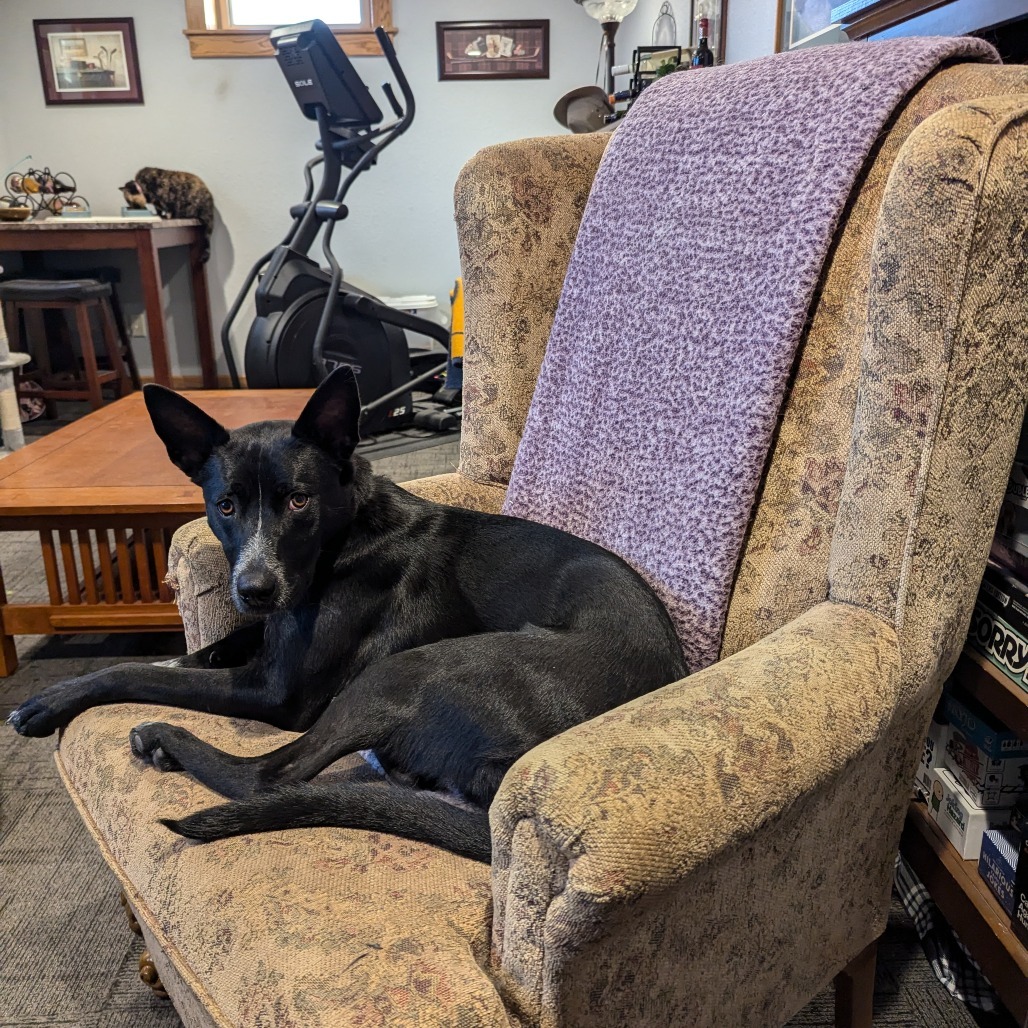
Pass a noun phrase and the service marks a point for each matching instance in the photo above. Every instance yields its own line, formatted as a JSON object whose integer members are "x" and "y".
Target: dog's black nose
{"x": 256, "y": 589}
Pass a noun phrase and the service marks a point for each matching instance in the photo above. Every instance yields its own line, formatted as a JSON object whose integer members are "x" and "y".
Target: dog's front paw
{"x": 36, "y": 718}
{"x": 151, "y": 741}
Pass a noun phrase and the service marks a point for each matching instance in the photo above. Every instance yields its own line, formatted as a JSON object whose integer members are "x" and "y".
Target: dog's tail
{"x": 374, "y": 806}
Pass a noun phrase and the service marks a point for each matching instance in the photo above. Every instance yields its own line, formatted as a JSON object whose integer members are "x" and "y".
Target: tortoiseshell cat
{"x": 174, "y": 194}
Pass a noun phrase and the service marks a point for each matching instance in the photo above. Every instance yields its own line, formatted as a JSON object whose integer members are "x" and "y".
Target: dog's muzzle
{"x": 256, "y": 591}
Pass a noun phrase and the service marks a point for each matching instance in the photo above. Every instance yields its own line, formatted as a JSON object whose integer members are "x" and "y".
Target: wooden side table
{"x": 146, "y": 239}
{"x": 105, "y": 500}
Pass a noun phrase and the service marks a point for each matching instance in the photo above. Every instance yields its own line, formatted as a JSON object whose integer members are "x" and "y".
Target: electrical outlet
{"x": 137, "y": 326}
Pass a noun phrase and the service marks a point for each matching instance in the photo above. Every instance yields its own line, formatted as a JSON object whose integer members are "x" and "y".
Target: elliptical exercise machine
{"x": 309, "y": 321}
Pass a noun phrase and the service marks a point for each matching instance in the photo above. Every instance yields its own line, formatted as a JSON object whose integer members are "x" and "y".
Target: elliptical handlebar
{"x": 387, "y": 136}
{"x": 387, "y": 88}
{"x": 406, "y": 111}
{"x": 335, "y": 144}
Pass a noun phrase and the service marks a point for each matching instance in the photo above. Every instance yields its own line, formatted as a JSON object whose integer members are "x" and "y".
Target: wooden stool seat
{"x": 17, "y": 289}
{"x": 29, "y": 298}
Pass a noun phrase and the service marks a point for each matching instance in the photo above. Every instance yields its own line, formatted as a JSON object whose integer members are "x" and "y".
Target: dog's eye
{"x": 298, "y": 501}
{"x": 226, "y": 507}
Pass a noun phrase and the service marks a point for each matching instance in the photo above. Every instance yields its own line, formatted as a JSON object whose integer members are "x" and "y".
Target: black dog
{"x": 447, "y": 641}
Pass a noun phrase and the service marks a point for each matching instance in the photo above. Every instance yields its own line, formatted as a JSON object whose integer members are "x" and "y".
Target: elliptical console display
{"x": 309, "y": 321}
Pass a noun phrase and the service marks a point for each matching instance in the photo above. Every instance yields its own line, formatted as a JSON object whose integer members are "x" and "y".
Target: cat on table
{"x": 173, "y": 194}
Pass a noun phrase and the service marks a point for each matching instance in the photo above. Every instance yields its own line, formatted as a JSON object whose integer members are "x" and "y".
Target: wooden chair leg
{"x": 147, "y": 968}
{"x": 149, "y": 975}
{"x": 35, "y": 330}
{"x": 123, "y": 383}
{"x": 130, "y": 914}
{"x": 855, "y": 989}
{"x": 127, "y": 353}
{"x": 96, "y": 396}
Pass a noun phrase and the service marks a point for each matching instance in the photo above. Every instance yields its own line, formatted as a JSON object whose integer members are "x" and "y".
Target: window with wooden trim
{"x": 239, "y": 28}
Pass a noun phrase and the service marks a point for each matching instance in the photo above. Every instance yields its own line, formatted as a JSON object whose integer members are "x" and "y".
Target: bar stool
{"x": 30, "y": 297}
{"x": 112, "y": 276}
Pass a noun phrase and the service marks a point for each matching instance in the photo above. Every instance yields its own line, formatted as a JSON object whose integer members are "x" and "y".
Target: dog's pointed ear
{"x": 331, "y": 419}
{"x": 189, "y": 433}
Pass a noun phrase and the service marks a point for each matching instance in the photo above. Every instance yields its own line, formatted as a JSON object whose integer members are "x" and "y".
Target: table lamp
{"x": 610, "y": 14}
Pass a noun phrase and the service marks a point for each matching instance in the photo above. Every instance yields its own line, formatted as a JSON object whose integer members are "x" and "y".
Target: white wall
{"x": 234, "y": 123}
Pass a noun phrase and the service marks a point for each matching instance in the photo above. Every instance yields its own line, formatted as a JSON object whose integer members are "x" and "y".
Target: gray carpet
{"x": 67, "y": 957}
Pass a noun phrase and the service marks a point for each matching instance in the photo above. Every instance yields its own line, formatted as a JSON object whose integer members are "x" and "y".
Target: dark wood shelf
{"x": 993, "y": 690}
{"x": 969, "y": 906}
{"x": 880, "y": 19}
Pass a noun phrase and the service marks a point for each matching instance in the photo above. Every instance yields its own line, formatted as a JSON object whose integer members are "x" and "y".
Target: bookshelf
{"x": 969, "y": 906}
{"x": 954, "y": 884}
{"x": 993, "y": 690}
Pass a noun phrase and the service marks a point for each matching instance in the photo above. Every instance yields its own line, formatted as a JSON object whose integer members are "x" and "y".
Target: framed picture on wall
{"x": 88, "y": 61}
{"x": 493, "y": 49}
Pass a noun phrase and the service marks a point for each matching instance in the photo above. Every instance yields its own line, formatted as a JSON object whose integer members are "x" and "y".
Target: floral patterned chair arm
{"x": 699, "y": 816}
{"x": 642, "y": 858}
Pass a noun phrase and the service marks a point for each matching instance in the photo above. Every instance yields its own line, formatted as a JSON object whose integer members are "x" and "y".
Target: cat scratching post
{"x": 10, "y": 415}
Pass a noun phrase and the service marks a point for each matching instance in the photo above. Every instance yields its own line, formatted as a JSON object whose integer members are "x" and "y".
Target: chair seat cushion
{"x": 20, "y": 289}
{"x": 315, "y": 927}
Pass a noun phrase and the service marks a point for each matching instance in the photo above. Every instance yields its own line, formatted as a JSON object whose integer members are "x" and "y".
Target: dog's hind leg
{"x": 372, "y": 806}
{"x": 362, "y": 716}
{"x": 233, "y": 650}
{"x": 344, "y": 727}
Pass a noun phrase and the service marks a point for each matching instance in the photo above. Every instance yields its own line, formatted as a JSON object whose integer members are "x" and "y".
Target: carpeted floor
{"x": 67, "y": 957}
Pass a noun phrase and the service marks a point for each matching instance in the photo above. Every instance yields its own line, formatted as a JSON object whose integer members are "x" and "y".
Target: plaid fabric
{"x": 950, "y": 960}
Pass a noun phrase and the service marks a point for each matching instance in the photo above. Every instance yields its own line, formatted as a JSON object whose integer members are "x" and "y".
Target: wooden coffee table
{"x": 106, "y": 500}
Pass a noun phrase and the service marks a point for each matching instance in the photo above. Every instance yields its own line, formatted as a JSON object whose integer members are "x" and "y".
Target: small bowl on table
{"x": 15, "y": 213}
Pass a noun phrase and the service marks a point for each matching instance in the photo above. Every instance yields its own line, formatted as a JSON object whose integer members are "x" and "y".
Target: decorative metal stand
{"x": 40, "y": 189}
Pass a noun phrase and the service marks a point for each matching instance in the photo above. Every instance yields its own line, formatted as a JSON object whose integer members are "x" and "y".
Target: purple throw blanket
{"x": 702, "y": 243}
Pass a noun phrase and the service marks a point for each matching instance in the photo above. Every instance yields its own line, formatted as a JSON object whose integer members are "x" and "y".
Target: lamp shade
{"x": 608, "y": 10}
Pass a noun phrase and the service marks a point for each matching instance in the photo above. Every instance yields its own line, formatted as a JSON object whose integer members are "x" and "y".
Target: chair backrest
{"x": 684, "y": 304}
{"x": 784, "y": 568}
{"x": 518, "y": 206}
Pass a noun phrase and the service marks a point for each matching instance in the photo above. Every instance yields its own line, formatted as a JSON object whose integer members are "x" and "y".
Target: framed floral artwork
{"x": 88, "y": 61}
{"x": 493, "y": 49}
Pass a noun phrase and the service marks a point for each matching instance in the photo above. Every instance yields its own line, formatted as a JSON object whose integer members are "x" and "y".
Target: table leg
{"x": 8, "y": 653}
{"x": 202, "y": 310}
{"x": 150, "y": 273}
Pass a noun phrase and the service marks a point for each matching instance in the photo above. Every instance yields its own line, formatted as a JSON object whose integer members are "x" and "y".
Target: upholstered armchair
{"x": 717, "y": 852}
